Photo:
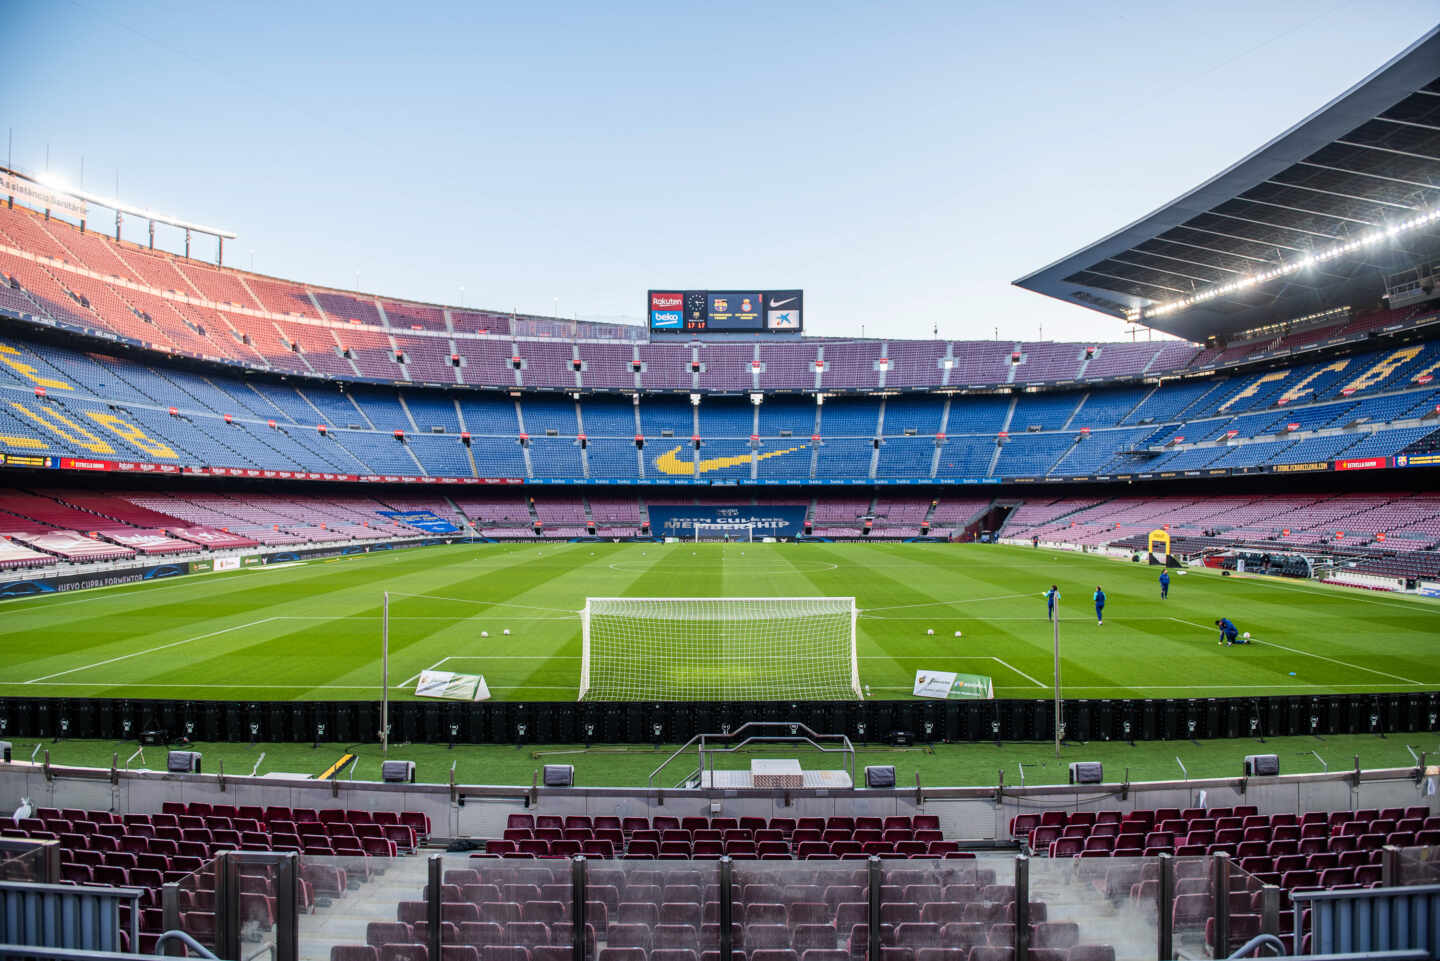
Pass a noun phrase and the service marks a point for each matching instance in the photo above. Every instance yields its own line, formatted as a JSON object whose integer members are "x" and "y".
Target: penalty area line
{"x": 415, "y": 677}
{"x": 1021, "y": 673}
{"x": 1322, "y": 657}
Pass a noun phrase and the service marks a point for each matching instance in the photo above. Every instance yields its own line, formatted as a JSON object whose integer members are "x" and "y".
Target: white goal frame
{"x": 748, "y": 530}
{"x": 719, "y": 608}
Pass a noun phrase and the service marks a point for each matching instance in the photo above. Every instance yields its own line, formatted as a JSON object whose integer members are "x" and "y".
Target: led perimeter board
{"x": 726, "y": 311}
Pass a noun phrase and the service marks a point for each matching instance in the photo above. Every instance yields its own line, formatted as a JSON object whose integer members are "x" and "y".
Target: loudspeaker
{"x": 1262, "y": 765}
{"x": 5, "y": 751}
{"x": 183, "y": 762}
{"x": 1087, "y": 772}
{"x": 559, "y": 775}
{"x": 398, "y": 772}
{"x": 880, "y": 775}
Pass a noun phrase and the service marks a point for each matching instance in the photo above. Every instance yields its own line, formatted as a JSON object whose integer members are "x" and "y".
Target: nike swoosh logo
{"x": 670, "y": 462}
{"x": 781, "y": 303}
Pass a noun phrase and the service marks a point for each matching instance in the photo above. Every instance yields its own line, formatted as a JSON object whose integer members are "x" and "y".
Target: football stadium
{"x": 349, "y": 626}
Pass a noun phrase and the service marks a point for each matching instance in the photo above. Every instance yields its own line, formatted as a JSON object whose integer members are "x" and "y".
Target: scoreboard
{"x": 725, "y": 311}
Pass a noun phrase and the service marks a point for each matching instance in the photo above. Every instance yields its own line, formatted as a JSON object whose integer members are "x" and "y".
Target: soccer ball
{"x": 930, "y": 631}
{"x": 484, "y": 633}
{"x": 507, "y": 632}
{"x": 1246, "y": 635}
{"x": 957, "y": 633}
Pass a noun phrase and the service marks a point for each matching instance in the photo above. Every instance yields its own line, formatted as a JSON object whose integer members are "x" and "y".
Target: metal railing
{"x": 738, "y": 740}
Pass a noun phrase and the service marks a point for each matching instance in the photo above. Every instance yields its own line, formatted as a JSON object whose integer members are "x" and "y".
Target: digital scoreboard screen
{"x": 726, "y": 311}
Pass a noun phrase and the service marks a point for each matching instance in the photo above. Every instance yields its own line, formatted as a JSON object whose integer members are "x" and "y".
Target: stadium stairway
{"x": 346, "y": 918}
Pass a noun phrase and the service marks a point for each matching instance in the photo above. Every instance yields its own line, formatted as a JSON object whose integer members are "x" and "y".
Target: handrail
{"x": 1259, "y": 941}
{"x": 185, "y": 939}
{"x": 797, "y": 725}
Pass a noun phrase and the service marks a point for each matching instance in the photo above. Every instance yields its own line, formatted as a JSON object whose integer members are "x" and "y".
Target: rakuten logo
{"x": 666, "y": 301}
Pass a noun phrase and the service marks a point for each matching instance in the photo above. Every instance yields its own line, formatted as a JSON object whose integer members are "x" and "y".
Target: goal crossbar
{"x": 719, "y": 648}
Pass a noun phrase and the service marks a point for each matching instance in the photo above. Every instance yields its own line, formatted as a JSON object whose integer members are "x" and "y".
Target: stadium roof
{"x": 1314, "y": 219}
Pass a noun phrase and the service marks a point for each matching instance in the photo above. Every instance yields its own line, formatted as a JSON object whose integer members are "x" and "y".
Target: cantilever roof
{"x": 1364, "y": 162}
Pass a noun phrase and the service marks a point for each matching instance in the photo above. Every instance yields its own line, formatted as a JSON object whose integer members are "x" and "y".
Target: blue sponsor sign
{"x": 427, "y": 521}
{"x": 665, "y": 319}
{"x": 679, "y": 521}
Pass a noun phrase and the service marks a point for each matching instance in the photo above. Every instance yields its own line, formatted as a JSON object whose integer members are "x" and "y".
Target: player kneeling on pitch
{"x": 1230, "y": 634}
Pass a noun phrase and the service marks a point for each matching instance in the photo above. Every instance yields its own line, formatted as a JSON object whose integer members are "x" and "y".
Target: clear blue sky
{"x": 902, "y": 162}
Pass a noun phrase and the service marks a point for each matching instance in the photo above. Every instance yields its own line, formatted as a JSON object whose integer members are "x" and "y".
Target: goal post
{"x": 718, "y": 648}
{"x": 729, "y": 533}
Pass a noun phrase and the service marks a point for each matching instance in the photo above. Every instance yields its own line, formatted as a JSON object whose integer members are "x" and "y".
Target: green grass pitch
{"x": 312, "y": 630}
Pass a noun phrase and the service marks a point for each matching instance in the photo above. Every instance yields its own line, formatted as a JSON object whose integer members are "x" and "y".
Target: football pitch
{"x": 312, "y": 630}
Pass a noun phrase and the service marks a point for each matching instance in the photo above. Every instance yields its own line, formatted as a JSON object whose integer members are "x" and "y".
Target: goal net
{"x": 713, "y": 649}
{"x": 728, "y": 533}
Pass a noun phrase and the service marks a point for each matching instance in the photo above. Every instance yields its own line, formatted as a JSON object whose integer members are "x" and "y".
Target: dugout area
{"x": 864, "y": 722}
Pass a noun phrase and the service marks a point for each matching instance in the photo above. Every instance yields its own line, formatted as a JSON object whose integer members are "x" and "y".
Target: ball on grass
{"x": 957, "y": 634}
{"x": 930, "y": 631}
{"x": 484, "y": 633}
{"x": 1246, "y": 635}
{"x": 507, "y": 632}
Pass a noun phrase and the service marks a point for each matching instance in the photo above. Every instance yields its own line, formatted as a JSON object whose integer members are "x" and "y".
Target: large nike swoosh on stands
{"x": 670, "y": 463}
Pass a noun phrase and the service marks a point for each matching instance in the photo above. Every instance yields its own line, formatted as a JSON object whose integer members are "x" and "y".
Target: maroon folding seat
{"x": 624, "y": 954}
{"x": 404, "y": 952}
{"x": 1066, "y": 847}
{"x": 786, "y": 826}
{"x": 501, "y": 952}
{"x": 417, "y": 821}
{"x": 481, "y": 933}
{"x": 449, "y": 951}
{"x": 77, "y": 873}
{"x": 106, "y": 874}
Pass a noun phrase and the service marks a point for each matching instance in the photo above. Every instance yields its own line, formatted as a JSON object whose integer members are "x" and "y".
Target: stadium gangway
{"x": 282, "y": 942}
{"x": 799, "y": 734}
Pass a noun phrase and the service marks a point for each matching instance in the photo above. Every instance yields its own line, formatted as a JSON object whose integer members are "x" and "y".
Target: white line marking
{"x": 298, "y": 686}
{"x": 1021, "y": 673}
{"x": 152, "y": 650}
{"x": 1322, "y": 657}
{"x": 966, "y": 600}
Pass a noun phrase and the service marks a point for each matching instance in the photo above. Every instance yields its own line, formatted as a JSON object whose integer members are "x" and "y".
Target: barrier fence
{"x": 864, "y": 722}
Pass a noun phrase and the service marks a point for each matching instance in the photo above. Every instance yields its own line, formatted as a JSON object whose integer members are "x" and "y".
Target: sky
{"x": 902, "y": 162}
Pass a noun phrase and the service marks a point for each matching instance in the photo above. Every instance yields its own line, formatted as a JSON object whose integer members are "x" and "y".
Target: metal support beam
{"x": 1022, "y": 908}
{"x": 287, "y": 908}
{"x": 877, "y": 878}
{"x": 1220, "y": 888}
{"x": 436, "y": 868}
{"x": 727, "y": 908}
{"x": 1165, "y": 908}
{"x": 578, "y": 870}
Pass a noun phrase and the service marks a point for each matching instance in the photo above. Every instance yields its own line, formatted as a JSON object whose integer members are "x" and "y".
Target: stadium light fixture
{"x": 1424, "y": 218}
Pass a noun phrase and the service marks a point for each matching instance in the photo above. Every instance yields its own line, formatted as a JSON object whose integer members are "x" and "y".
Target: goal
{"x": 729, "y": 533}
{"x": 714, "y": 649}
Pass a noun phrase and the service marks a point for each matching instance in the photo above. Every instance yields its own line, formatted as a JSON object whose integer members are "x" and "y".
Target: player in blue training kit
{"x": 1164, "y": 585}
{"x": 1051, "y": 597}
{"x": 1229, "y": 634}
{"x": 1100, "y": 605}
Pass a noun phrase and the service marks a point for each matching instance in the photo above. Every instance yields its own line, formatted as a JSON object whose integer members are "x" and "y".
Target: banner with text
{"x": 427, "y": 521}
{"x": 678, "y": 520}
